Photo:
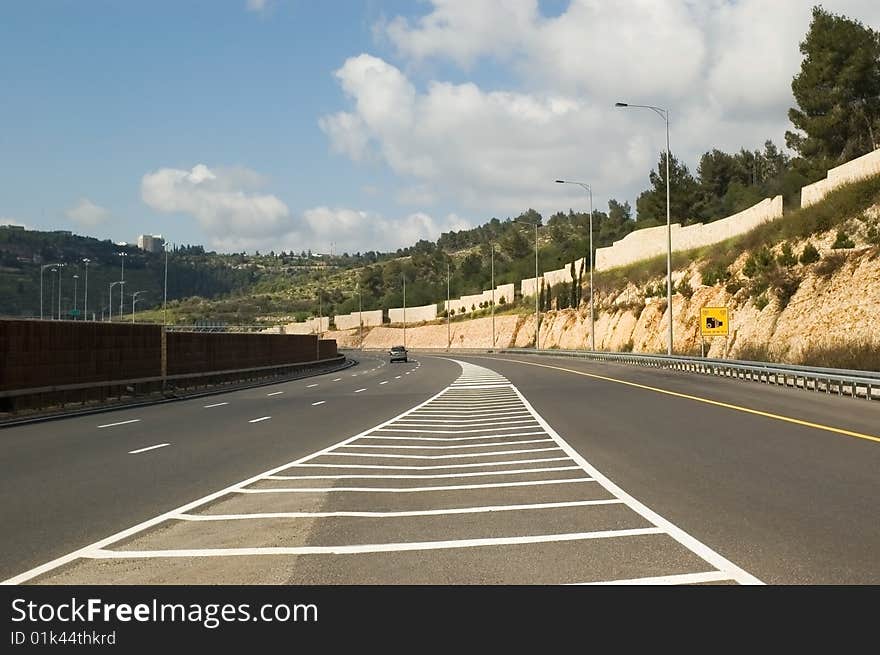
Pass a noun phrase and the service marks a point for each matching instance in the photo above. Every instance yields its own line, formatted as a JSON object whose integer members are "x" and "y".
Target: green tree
{"x": 837, "y": 91}
{"x": 683, "y": 194}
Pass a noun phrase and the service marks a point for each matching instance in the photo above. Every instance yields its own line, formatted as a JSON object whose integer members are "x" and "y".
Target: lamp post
{"x": 52, "y": 297}
{"x": 165, "y": 293}
{"x": 492, "y": 259}
{"x": 60, "y": 266}
{"x": 537, "y": 312}
{"x": 110, "y": 299}
{"x": 86, "y": 261}
{"x": 122, "y": 256}
{"x": 448, "y": 311}
{"x": 133, "y": 301}
{"x": 589, "y": 189}
{"x": 403, "y": 275}
{"x": 664, "y": 114}
{"x": 75, "y": 285}
{"x": 360, "y": 318}
{"x": 42, "y": 270}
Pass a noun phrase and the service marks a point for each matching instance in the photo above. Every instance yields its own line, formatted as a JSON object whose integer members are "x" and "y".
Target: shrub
{"x": 502, "y": 300}
{"x": 830, "y": 264}
{"x": 627, "y": 347}
{"x": 786, "y": 257}
{"x": 684, "y": 288}
{"x": 733, "y": 286}
{"x": 761, "y": 302}
{"x": 873, "y": 235}
{"x": 785, "y": 286}
{"x": 714, "y": 273}
{"x": 842, "y": 241}
{"x": 809, "y": 255}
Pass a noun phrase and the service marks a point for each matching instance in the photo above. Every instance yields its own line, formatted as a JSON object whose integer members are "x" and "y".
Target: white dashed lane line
{"x": 110, "y": 425}
{"x": 274, "y": 393}
{"x": 143, "y": 450}
{"x": 215, "y": 405}
{"x": 384, "y": 382}
{"x": 359, "y": 390}
{"x": 309, "y": 386}
{"x": 320, "y": 402}
{"x": 336, "y": 379}
{"x": 262, "y": 418}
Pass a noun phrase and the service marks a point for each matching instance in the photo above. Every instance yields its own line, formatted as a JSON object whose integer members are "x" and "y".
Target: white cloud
{"x": 257, "y": 6}
{"x": 218, "y": 199}
{"x": 723, "y": 69}
{"x": 87, "y": 213}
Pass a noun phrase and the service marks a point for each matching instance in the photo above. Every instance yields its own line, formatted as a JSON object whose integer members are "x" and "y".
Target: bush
{"x": 809, "y": 255}
{"x": 761, "y": 302}
{"x": 733, "y": 286}
{"x": 714, "y": 273}
{"x": 786, "y": 257}
{"x": 830, "y": 264}
{"x": 842, "y": 241}
{"x": 502, "y": 300}
{"x": 684, "y": 288}
{"x": 784, "y": 286}
{"x": 627, "y": 347}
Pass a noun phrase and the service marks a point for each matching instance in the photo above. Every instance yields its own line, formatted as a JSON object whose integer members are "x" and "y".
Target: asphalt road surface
{"x": 453, "y": 470}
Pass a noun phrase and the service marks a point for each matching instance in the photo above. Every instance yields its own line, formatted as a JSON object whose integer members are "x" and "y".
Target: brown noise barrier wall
{"x": 54, "y": 353}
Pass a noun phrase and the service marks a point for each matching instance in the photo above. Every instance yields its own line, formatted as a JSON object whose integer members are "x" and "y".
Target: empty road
{"x": 453, "y": 469}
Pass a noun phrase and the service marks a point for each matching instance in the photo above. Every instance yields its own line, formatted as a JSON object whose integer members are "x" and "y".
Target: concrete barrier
{"x": 371, "y": 318}
{"x": 309, "y": 326}
{"x": 651, "y": 242}
{"x": 413, "y": 314}
{"x": 852, "y": 171}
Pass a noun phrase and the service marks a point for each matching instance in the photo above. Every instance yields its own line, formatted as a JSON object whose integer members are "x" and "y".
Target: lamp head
{"x": 620, "y": 104}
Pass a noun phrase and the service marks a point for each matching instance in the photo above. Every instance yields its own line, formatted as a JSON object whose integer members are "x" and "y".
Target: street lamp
{"x": 589, "y": 189}
{"x": 110, "y": 303}
{"x": 75, "y": 285}
{"x": 165, "y": 295}
{"x": 403, "y": 275}
{"x": 52, "y": 297}
{"x": 133, "y": 301}
{"x": 42, "y": 269}
{"x": 60, "y": 266}
{"x": 448, "y": 311}
{"x": 537, "y": 313}
{"x": 86, "y": 261}
{"x": 664, "y": 114}
{"x": 122, "y": 256}
{"x": 360, "y": 317}
{"x": 492, "y": 259}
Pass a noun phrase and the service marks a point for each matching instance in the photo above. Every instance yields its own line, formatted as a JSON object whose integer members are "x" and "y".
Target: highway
{"x": 453, "y": 469}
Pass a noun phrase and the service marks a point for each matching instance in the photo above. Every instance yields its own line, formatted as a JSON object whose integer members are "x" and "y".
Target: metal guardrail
{"x": 849, "y": 382}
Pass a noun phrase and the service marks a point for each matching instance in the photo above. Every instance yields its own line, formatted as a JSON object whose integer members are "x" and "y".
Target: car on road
{"x": 398, "y": 354}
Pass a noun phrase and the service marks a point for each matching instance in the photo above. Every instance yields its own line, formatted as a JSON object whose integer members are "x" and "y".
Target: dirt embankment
{"x": 833, "y": 305}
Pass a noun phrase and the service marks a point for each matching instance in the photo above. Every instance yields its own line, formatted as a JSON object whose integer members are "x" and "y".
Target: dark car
{"x": 398, "y": 354}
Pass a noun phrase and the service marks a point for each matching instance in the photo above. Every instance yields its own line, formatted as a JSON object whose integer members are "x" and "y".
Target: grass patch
{"x": 862, "y": 355}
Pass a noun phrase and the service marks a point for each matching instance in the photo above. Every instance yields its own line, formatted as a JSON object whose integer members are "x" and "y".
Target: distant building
{"x": 151, "y": 242}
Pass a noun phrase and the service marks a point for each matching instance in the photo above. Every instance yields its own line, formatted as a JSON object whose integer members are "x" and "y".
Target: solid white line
{"x": 309, "y": 386}
{"x": 469, "y": 445}
{"x": 466, "y": 424}
{"x": 143, "y": 450}
{"x": 689, "y": 542}
{"x": 472, "y": 474}
{"x": 274, "y": 393}
{"x": 433, "y": 431}
{"x": 320, "y": 402}
{"x": 110, "y": 425}
{"x": 439, "y": 466}
{"x": 359, "y": 390}
{"x": 382, "y": 515}
{"x": 262, "y": 418}
{"x": 501, "y": 452}
{"x": 682, "y": 578}
{"x": 144, "y": 525}
{"x": 406, "y": 490}
{"x": 484, "y": 436}
{"x": 98, "y": 553}
{"x": 215, "y": 405}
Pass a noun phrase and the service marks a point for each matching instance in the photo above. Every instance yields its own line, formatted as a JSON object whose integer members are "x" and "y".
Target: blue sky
{"x": 289, "y": 124}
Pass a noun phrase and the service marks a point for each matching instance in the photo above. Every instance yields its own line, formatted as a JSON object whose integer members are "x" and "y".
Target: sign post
{"x": 714, "y": 322}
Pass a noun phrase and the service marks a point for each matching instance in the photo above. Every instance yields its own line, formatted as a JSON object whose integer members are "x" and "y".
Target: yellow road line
{"x": 717, "y": 403}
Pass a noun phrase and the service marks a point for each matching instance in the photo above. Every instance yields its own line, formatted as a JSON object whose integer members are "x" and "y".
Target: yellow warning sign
{"x": 714, "y": 321}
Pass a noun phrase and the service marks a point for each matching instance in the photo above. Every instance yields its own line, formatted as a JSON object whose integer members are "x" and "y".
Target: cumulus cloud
{"x": 87, "y": 213}
{"x": 222, "y": 200}
{"x": 722, "y": 68}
